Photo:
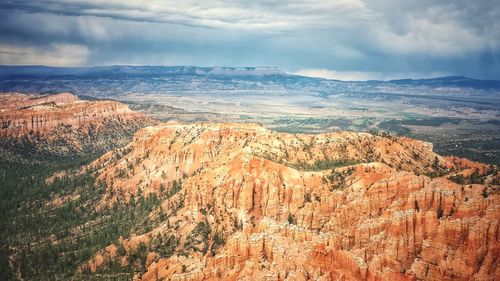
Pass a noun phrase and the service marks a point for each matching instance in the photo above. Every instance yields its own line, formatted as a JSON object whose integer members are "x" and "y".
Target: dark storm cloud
{"x": 363, "y": 38}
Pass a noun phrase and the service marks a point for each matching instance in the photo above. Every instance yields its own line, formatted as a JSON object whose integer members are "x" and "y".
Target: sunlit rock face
{"x": 62, "y": 124}
{"x": 259, "y": 205}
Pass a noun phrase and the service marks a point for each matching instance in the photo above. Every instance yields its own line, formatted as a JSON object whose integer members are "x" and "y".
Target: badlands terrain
{"x": 234, "y": 201}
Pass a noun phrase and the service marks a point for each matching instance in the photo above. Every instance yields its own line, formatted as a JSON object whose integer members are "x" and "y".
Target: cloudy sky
{"x": 345, "y": 39}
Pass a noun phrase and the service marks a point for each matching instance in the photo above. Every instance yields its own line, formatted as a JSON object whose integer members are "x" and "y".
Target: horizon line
{"x": 291, "y": 73}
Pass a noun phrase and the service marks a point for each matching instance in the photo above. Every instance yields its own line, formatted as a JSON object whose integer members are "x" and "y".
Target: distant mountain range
{"x": 123, "y": 71}
{"x": 452, "y": 81}
{"x": 137, "y": 70}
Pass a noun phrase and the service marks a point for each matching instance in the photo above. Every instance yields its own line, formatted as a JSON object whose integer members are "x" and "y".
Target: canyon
{"x": 249, "y": 140}
{"x": 242, "y": 202}
{"x": 233, "y": 201}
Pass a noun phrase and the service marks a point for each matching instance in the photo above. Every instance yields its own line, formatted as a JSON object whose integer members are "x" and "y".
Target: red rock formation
{"x": 42, "y": 115}
{"x": 286, "y": 212}
{"x": 63, "y": 118}
{"x": 15, "y": 101}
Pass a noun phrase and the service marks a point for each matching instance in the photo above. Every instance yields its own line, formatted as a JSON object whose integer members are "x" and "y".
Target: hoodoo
{"x": 242, "y": 201}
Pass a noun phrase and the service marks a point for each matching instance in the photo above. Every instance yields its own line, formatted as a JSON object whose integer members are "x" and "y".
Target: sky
{"x": 345, "y": 39}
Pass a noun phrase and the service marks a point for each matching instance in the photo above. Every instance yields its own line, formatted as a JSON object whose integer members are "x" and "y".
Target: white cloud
{"x": 446, "y": 28}
{"x": 386, "y": 35}
{"x": 53, "y": 55}
{"x": 363, "y": 75}
{"x": 422, "y": 36}
{"x": 241, "y": 15}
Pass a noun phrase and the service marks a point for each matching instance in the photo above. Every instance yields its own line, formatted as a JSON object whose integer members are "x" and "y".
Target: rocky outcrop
{"x": 254, "y": 204}
{"x": 16, "y": 101}
{"x": 62, "y": 124}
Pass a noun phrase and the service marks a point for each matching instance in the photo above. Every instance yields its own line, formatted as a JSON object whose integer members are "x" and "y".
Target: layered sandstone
{"x": 16, "y": 101}
{"x": 62, "y": 123}
{"x": 261, "y": 205}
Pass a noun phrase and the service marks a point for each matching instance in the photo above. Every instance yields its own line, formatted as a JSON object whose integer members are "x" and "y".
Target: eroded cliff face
{"x": 62, "y": 124}
{"x": 16, "y": 101}
{"x": 243, "y": 202}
